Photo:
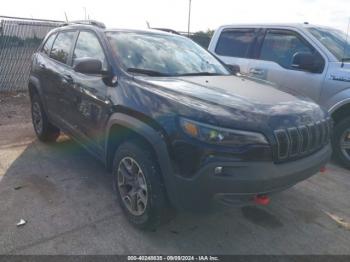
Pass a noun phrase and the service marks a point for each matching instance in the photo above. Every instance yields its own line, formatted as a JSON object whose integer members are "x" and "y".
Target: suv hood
{"x": 236, "y": 97}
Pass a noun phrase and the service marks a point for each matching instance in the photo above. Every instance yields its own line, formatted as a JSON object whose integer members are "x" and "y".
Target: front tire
{"x": 137, "y": 181}
{"x": 341, "y": 142}
{"x": 44, "y": 130}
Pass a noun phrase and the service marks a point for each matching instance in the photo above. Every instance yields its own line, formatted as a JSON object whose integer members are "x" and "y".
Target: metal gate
{"x": 19, "y": 38}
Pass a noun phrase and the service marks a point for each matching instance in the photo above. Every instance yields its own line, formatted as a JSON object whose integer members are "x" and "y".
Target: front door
{"x": 88, "y": 104}
{"x": 274, "y": 63}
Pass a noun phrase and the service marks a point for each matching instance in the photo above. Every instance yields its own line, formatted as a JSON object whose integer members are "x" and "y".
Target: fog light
{"x": 218, "y": 170}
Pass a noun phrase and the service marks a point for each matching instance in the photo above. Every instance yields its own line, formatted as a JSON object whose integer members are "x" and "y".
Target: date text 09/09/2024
{"x": 173, "y": 258}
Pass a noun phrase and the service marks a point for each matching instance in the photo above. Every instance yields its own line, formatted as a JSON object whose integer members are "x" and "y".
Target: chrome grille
{"x": 302, "y": 140}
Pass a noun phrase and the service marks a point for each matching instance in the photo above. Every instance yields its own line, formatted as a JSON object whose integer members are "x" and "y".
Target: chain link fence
{"x": 19, "y": 38}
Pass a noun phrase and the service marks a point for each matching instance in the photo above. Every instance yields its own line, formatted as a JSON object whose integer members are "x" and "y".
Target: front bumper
{"x": 243, "y": 179}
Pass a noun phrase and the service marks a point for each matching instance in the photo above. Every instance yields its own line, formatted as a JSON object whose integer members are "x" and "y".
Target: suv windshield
{"x": 334, "y": 40}
{"x": 162, "y": 55}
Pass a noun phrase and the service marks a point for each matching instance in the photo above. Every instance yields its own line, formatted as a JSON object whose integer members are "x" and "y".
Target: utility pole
{"x": 65, "y": 14}
{"x": 84, "y": 13}
{"x": 189, "y": 18}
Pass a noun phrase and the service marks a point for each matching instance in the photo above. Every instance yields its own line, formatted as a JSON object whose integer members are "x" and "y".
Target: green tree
{"x": 202, "y": 37}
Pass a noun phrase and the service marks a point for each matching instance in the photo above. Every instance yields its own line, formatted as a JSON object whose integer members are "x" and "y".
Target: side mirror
{"x": 234, "y": 69}
{"x": 307, "y": 62}
{"x": 88, "y": 66}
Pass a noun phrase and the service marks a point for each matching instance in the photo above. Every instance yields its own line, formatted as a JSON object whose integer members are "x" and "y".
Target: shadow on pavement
{"x": 66, "y": 197}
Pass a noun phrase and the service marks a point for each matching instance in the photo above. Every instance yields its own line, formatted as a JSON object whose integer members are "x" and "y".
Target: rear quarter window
{"x": 235, "y": 43}
{"x": 48, "y": 44}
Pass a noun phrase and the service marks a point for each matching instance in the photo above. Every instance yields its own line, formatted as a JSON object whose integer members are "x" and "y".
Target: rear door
{"x": 41, "y": 69}
{"x": 235, "y": 46}
{"x": 57, "y": 71}
{"x": 274, "y": 63}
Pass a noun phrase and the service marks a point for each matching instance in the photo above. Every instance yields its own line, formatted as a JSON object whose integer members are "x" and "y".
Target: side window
{"x": 235, "y": 43}
{"x": 89, "y": 46}
{"x": 280, "y": 47}
{"x": 48, "y": 44}
{"x": 62, "y": 46}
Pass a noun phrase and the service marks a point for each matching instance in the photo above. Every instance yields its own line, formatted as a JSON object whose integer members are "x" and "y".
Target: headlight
{"x": 221, "y": 136}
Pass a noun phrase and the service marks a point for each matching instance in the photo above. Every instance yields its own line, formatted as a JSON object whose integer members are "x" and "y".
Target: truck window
{"x": 235, "y": 42}
{"x": 62, "y": 46}
{"x": 280, "y": 46}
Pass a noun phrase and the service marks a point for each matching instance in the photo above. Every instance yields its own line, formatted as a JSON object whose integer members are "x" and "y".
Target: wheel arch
{"x": 34, "y": 86}
{"x": 341, "y": 112}
{"x": 121, "y": 127}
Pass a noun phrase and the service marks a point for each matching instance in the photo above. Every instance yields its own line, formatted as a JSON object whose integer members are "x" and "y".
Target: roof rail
{"x": 86, "y": 22}
{"x": 166, "y": 30}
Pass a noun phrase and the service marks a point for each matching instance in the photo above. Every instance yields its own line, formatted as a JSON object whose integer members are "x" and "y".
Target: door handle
{"x": 257, "y": 71}
{"x": 67, "y": 79}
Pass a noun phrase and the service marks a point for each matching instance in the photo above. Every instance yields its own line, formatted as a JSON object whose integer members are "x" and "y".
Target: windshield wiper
{"x": 200, "y": 74}
{"x": 146, "y": 72}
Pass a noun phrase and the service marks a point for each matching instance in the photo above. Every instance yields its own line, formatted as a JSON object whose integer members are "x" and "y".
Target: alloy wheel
{"x": 132, "y": 186}
{"x": 345, "y": 143}
{"x": 37, "y": 117}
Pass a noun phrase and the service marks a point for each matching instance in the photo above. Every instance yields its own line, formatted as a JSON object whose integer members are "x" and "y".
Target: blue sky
{"x": 173, "y": 13}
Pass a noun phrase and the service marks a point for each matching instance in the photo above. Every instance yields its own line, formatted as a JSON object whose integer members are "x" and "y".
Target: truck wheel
{"x": 44, "y": 130}
{"x": 341, "y": 142}
{"x": 137, "y": 181}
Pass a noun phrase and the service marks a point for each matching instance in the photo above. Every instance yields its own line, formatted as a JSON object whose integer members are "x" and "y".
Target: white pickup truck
{"x": 311, "y": 60}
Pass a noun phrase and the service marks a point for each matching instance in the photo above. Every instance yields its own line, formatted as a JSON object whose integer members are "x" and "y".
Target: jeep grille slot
{"x": 282, "y": 143}
{"x": 305, "y": 139}
{"x": 295, "y": 142}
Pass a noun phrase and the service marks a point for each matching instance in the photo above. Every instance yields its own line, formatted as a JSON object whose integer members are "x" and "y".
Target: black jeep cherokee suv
{"x": 170, "y": 121}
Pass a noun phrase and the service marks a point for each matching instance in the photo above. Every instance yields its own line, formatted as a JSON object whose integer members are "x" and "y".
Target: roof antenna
{"x": 148, "y": 25}
{"x": 65, "y": 14}
{"x": 345, "y": 45}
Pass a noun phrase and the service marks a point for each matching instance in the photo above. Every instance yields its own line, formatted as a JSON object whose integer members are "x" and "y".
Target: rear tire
{"x": 138, "y": 183}
{"x": 44, "y": 130}
{"x": 341, "y": 142}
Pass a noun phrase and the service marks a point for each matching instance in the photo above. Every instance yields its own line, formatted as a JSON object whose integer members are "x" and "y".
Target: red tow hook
{"x": 263, "y": 200}
{"x": 323, "y": 169}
